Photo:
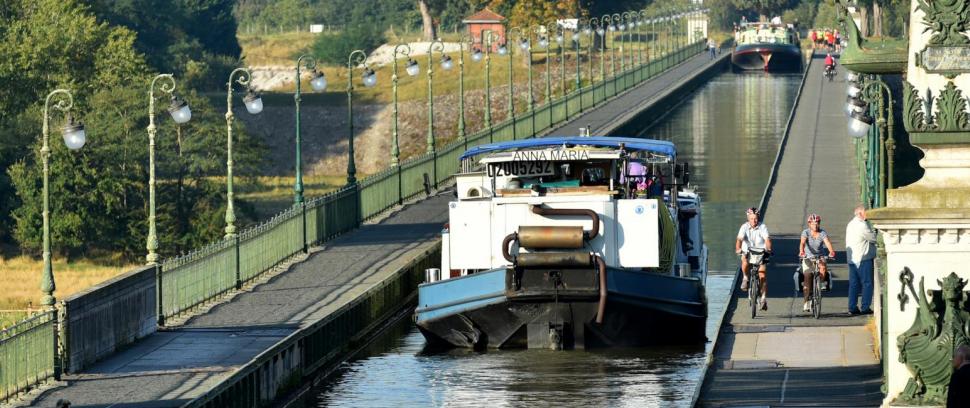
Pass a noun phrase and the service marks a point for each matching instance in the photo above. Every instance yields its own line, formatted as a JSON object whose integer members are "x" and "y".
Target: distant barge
{"x": 768, "y": 47}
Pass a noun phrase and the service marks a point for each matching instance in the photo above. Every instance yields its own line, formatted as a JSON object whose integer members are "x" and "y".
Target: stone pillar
{"x": 926, "y": 225}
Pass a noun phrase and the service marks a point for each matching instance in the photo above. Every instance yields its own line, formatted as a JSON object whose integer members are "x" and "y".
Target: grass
{"x": 20, "y": 282}
{"x": 281, "y": 49}
{"x": 274, "y": 49}
{"x": 270, "y": 195}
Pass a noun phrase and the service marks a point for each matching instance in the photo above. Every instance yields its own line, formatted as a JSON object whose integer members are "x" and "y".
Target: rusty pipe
{"x": 589, "y": 235}
{"x": 506, "y": 251}
{"x": 602, "y": 306}
{"x": 545, "y": 237}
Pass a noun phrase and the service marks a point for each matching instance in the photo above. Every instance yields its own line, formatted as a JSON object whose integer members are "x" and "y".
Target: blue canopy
{"x": 630, "y": 143}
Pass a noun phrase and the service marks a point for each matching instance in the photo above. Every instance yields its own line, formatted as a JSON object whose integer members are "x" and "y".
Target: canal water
{"x": 728, "y": 131}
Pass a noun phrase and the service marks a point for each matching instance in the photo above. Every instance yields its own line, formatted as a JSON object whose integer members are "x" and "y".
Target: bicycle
{"x": 829, "y": 72}
{"x": 755, "y": 259}
{"x": 816, "y": 297}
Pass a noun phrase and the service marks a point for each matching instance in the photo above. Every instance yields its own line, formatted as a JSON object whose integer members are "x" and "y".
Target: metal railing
{"x": 27, "y": 351}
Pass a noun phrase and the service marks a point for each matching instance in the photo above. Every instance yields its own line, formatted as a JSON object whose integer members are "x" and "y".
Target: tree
{"x": 764, "y": 8}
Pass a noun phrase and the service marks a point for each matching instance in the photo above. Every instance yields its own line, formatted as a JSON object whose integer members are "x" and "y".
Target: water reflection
{"x": 729, "y": 132}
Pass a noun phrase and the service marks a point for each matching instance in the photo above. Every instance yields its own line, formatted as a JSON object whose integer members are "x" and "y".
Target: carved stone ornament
{"x": 947, "y": 19}
{"x": 950, "y": 114}
{"x": 940, "y": 326}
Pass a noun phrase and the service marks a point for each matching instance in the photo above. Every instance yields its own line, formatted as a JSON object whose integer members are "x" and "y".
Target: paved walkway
{"x": 614, "y": 113}
{"x": 171, "y": 367}
{"x": 785, "y": 356}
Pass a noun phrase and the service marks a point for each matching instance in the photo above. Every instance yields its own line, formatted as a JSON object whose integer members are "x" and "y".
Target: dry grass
{"x": 20, "y": 282}
{"x": 270, "y": 195}
{"x": 275, "y": 49}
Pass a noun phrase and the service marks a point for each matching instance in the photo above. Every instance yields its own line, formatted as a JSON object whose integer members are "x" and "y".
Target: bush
{"x": 335, "y": 48}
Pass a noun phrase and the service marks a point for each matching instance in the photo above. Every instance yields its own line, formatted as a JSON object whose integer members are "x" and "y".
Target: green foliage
{"x": 334, "y": 48}
{"x": 98, "y": 195}
{"x": 763, "y": 8}
{"x": 803, "y": 13}
{"x": 724, "y": 15}
{"x": 827, "y": 16}
{"x": 189, "y": 38}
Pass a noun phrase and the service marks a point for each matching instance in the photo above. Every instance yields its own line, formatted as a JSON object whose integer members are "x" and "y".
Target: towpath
{"x": 785, "y": 356}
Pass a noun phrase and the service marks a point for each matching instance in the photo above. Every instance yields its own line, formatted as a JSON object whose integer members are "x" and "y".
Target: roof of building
{"x": 484, "y": 16}
{"x": 629, "y": 143}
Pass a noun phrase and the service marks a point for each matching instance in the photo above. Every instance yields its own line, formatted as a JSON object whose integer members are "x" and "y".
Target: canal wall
{"x": 323, "y": 344}
{"x": 639, "y": 120}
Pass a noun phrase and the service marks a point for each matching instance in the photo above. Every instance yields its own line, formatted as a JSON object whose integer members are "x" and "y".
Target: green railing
{"x": 191, "y": 280}
{"x": 27, "y": 354}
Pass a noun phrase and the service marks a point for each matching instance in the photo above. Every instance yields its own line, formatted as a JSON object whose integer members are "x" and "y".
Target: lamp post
{"x": 628, "y": 25}
{"x": 601, "y": 31}
{"x": 508, "y": 48}
{"x": 74, "y": 138}
{"x": 461, "y": 89}
{"x": 611, "y": 28}
{"x": 369, "y": 78}
{"x": 254, "y": 105}
{"x": 446, "y": 65}
{"x": 652, "y": 51}
{"x": 641, "y": 25}
{"x": 318, "y": 83}
{"x": 579, "y": 63}
{"x": 525, "y": 44}
{"x": 412, "y": 70}
{"x": 561, "y": 43}
{"x": 876, "y": 91}
{"x": 544, "y": 43}
{"x": 589, "y": 32}
{"x": 486, "y": 41}
{"x": 181, "y": 113}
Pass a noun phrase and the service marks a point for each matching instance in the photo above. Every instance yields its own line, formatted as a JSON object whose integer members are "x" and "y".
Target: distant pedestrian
{"x": 814, "y": 36}
{"x": 713, "y": 47}
{"x": 958, "y": 392}
{"x": 860, "y": 249}
{"x": 838, "y": 41}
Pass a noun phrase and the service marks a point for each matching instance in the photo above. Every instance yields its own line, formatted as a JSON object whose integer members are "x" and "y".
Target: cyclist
{"x": 754, "y": 235}
{"x": 810, "y": 247}
{"x": 829, "y": 62}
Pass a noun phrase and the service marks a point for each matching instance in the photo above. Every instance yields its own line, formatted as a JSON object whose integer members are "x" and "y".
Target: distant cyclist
{"x": 811, "y": 247}
{"x": 754, "y": 235}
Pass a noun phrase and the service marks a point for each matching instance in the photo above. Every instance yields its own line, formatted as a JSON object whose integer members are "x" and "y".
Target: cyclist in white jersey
{"x": 754, "y": 235}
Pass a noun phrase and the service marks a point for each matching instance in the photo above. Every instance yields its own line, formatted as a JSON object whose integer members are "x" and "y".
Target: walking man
{"x": 712, "y": 46}
{"x": 860, "y": 249}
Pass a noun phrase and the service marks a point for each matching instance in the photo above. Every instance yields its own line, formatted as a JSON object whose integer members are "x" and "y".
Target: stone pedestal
{"x": 926, "y": 226}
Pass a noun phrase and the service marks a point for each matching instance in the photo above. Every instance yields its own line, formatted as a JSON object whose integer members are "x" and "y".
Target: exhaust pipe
{"x": 589, "y": 235}
{"x": 602, "y": 306}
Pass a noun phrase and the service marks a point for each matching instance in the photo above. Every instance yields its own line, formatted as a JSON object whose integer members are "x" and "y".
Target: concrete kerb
{"x": 677, "y": 90}
{"x": 763, "y": 205}
{"x": 562, "y": 124}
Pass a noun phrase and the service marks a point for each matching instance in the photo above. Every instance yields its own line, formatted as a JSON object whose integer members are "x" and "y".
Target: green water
{"x": 729, "y": 131}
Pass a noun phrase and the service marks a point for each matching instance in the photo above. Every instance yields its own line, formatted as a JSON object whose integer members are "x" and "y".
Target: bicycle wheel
{"x": 817, "y": 295}
{"x": 754, "y": 285}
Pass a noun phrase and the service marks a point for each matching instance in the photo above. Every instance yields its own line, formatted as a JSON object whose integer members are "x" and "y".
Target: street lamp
{"x": 887, "y": 144}
{"x": 486, "y": 41}
{"x": 181, "y": 113}
{"x": 854, "y": 89}
{"x": 461, "y": 90}
{"x": 74, "y": 138}
{"x": 441, "y": 50}
{"x": 404, "y": 50}
{"x": 544, "y": 43}
{"x": 524, "y": 45}
{"x": 854, "y": 105}
{"x": 612, "y": 27}
{"x": 254, "y": 105}
{"x": 859, "y": 124}
{"x": 369, "y": 78}
{"x": 318, "y": 82}
{"x": 579, "y": 63}
{"x": 561, "y": 41}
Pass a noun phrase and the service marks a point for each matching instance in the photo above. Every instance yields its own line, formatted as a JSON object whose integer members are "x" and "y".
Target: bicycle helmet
{"x": 751, "y": 210}
{"x": 814, "y": 218}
